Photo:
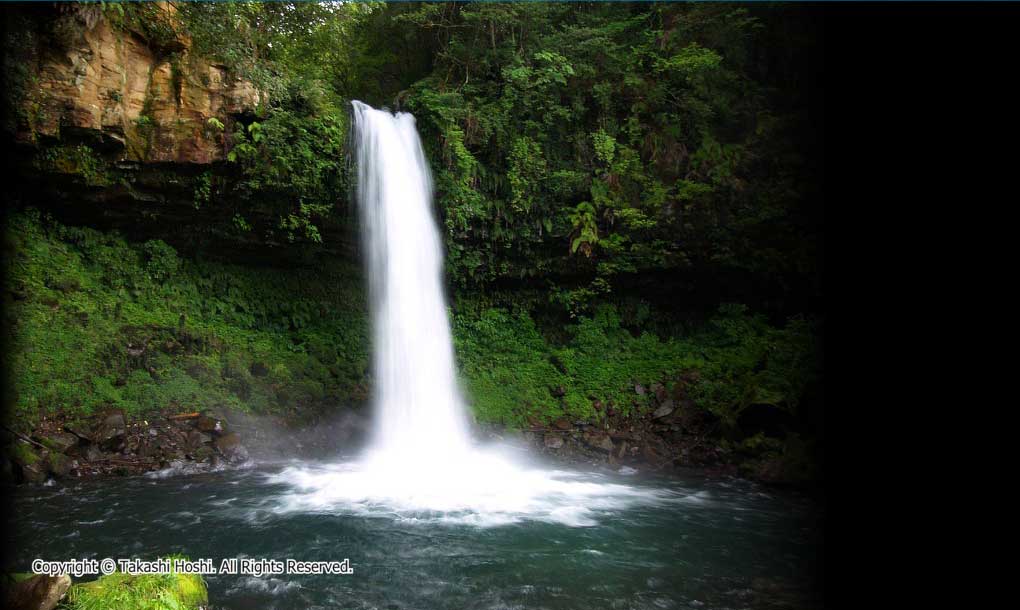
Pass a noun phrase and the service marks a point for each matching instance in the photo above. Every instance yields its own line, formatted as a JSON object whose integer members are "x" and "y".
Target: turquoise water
{"x": 705, "y": 543}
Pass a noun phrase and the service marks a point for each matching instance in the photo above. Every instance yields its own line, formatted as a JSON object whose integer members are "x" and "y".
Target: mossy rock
{"x": 58, "y": 464}
{"x": 120, "y": 591}
{"x": 28, "y": 462}
{"x": 23, "y": 455}
{"x": 59, "y": 442}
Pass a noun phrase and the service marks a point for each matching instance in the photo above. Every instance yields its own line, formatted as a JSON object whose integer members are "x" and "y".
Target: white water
{"x": 419, "y": 408}
{"x": 422, "y": 464}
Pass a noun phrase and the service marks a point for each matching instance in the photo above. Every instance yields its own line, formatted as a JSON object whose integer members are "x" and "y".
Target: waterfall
{"x": 419, "y": 409}
{"x": 421, "y": 465}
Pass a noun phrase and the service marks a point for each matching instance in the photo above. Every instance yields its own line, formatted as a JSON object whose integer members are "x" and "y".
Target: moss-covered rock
{"x": 59, "y": 441}
{"x": 119, "y": 591}
{"x": 28, "y": 462}
{"x": 23, "y": 454}
{"x": 58, "y": 464}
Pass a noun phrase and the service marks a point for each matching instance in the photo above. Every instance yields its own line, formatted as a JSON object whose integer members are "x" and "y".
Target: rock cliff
{"x": 136, "y": 93}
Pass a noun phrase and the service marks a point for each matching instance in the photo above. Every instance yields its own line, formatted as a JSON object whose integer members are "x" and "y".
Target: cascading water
{"x": 420, "y": 410}
{"x": 422, "y": 464}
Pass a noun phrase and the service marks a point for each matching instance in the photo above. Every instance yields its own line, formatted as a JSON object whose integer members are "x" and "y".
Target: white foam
{"x": 267, "y": 585}
{"x": 482, "y": 489}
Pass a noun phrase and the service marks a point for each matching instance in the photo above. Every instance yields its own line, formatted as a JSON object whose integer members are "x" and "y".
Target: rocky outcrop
{"x": 666, "y": 433}
{"x": 38, "y": 592}
{"x": 136, "y": 96}
{"x": 110, "y": 443}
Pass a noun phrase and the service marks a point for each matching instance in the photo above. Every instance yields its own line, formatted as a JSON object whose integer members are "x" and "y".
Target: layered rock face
{"x": 137, "y": 95}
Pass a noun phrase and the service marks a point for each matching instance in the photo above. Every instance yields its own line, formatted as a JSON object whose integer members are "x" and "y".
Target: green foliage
{"x": 505, "y": 363}
{"x": 154, "y": 23}
{"x": 80, "y": 161}
{"x": 120, "y": 591}
{"x": 512, "y": 369}
{"x": 19, "y": 109}
{"x": 203, "y": 190}
{"x": 92, "y": 300}
{"x": 215, "y": 124}
{"x": 579, "y": 144}
{"x": 161, "y": 260}
{"x": 293, "y": 169}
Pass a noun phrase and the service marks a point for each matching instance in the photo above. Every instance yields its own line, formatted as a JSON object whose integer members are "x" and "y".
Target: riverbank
{"x": 115, "y": 444}
{"x": 112, "y": 443}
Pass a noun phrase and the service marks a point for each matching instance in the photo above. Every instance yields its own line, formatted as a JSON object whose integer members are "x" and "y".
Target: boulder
{"x": 92, "y": 453}
{"x": 604, "y": 443}
{"x": 599, "y": 441}
{"x": 197, "y": 439}
{"x": 553, "y": 441}
{"x": 210, "y": 425}
{"x": 28, "y": 463}
{"x": 239, "y": 455}
{"x": 664, "y": 409}
{"x": 40, "y": 592}
{"x": 34, "y": 473}
{"x": 201, "y": 453}
{"x": 82, "y": 434}
{"x": 60, "y": 441}
{"x": 115, "y": 419}
{"x": 228, "y": 441}
{"x": 58, "y": 464}
{"x": 562, "y": 424}
{"x": 110, "y": 430}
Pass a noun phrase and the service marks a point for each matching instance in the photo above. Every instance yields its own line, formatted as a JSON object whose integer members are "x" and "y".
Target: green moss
{"x": 23, "y": 454}
{"x": 50, "y": 444}
{"x": 78, "y": 160}
{"x": 119, "y": 591}
{"x": 58, "y": 463}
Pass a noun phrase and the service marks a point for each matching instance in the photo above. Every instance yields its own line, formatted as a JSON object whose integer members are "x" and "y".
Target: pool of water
{"x": 678, "y": 542}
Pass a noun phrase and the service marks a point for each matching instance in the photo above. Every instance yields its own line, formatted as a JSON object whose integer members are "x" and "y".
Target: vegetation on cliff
{"x": 630, "y": 193}
{"x": 99, "y": 323}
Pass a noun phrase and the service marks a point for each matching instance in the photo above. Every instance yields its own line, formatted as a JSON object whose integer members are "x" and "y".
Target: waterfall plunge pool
{"x": 688, "y": 542}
